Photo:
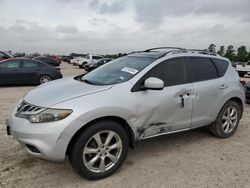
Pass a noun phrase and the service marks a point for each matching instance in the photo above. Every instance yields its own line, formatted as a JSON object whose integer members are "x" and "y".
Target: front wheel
{"x": 227, "y": 121}
{"x": 100, "y": 150}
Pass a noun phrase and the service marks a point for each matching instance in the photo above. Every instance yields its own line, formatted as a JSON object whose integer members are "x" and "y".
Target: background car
{"x": 26, "y": 71}
{"x": 89, "y": 58}
{"x": 94, "y": 64}
{"x": 56, "y": 58}
{"x": 47, "y": 60}
{"x": 66, "y": 58}
{"x": 77, "y": 61}
{"x": 4, "y": 55}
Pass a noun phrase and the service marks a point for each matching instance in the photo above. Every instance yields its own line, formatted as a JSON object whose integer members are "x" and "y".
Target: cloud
{"x": 154, "y": 12}
{"x": 108, "y": 8}
{"x": 66, "y": 29}
{"x": 109, "y": 26}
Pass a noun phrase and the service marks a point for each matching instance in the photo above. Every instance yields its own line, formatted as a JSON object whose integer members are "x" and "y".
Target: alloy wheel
{"x": 44, "y": 79}
{"x": 229, "y": 119}
{"x": 102, "y": 151}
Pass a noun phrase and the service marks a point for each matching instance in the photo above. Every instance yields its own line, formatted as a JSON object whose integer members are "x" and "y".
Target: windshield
{"x": 117, "y": 71}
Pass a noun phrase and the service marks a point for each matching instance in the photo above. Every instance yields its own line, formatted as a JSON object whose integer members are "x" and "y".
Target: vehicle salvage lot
{"x": 187, "y": 159}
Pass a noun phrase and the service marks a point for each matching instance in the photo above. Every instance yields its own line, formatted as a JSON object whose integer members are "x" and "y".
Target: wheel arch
{"x": 117, "y": 119}
{"x": 239, "y": 102}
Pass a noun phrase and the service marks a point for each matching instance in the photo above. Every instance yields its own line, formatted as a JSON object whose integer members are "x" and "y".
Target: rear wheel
{"x": 100, "y": 150}
{"x": 227, "y": 120}
{"x": 44, "y": 79}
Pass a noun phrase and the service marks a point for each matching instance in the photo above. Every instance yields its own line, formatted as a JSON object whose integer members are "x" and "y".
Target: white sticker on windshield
{"x": 129, "y": 70}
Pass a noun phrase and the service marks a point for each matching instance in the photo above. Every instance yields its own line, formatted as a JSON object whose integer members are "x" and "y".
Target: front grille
{"x": 25, "y": 107}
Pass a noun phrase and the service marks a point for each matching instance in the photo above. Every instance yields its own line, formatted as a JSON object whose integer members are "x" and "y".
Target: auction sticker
{"x": 129, "y": 70}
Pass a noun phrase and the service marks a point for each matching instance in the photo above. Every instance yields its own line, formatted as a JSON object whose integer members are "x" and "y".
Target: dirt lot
{"x": 188, "y": 159}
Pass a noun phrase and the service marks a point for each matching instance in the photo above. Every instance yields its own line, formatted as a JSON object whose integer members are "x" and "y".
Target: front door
{"x": 10, "y": 72}
{"x": 169, "y": 109}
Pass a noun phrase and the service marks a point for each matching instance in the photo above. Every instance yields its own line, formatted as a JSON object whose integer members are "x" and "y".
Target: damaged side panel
{"x": 162, "y": 111}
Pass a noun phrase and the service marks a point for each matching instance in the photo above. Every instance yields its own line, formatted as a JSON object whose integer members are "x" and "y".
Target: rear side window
{"x": 202, "y": 69}
{"x": 30, "y": 64}
{"x": 221, "y": 66}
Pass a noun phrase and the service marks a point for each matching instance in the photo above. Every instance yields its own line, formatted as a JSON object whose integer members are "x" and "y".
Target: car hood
{"x": 61, "y": 90}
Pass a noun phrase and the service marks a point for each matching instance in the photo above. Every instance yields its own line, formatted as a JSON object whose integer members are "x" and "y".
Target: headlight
{"x": 47, "y": 115}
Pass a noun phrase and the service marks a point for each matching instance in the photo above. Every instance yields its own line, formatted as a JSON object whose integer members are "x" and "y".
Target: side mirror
{"x": 153, "y": 83}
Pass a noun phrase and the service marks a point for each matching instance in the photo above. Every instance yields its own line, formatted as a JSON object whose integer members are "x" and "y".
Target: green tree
{"x": 242, "y": 54}
{"x": 248, "y": 57}
{"x": 230, "y": 53}
{"x": 221, "y": 51}
{"x": 212, "y": 48}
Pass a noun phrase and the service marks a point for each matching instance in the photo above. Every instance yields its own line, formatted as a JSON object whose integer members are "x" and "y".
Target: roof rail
{"x": 158, "y": 48}
{"x": 205, "y": 51}
{"x": 178, "y": 50}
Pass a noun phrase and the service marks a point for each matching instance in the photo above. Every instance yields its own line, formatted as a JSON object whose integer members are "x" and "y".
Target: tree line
{"x": 239, "y": 55}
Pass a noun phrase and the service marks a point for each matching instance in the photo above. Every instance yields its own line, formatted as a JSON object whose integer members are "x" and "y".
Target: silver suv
{"x": 94, "y": 118}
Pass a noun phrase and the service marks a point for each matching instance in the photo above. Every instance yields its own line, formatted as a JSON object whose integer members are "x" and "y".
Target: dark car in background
{"x": 56, "y": 58}
{"x": 4, "y": 55}
{"x": 248, "y": 92}
{"x": 47, "y": 60}
{"x": 18, "y": 71}
{"x": 94, "y": 64}
{"x": 66, "y": 58}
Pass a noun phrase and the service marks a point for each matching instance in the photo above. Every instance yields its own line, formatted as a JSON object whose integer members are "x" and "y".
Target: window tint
{"x": 221, "y": 66}
{"x": 97, "y": 57}
{"x": 172, "y": 72}
{"x": 29, "y": 64}
{"x": 2, "y": 54}
{"x": 202, "y": 69}
{"x": 10, "y": 64}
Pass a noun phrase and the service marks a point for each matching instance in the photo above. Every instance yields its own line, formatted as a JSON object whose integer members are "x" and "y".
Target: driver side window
{"x": 172, "y": 72}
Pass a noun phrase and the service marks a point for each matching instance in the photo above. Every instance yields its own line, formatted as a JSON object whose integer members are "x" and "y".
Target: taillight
{"x": 243, "y": 82}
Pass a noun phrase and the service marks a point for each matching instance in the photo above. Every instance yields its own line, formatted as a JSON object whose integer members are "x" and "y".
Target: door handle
{"x": 223, "y": 86}
{"x": 182, "y": 101}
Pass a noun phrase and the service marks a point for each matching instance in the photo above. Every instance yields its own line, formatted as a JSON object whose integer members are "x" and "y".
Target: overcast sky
{"x": 110, "y": 26}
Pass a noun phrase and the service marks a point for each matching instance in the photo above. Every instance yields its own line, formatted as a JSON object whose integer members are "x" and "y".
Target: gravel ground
{"x": 188, "y": 159}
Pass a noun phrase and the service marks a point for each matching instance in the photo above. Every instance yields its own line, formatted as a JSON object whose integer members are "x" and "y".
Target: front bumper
{"x": 43, "y": 140}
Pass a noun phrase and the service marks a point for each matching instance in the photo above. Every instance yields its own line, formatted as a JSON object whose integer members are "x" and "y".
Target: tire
{"x": 241, "y": 74}
{"x": 44, "y": 79}
{"x": 225, "y": 125}
{"x": 89, "y": 139}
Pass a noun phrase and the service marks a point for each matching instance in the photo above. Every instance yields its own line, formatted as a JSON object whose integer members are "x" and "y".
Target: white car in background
{"x": 89, "y": 58}
{"x": 76, "y": 60}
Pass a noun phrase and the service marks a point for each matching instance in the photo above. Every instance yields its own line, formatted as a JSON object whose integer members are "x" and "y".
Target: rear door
{"x": 207, "y": 88}
{"x": 10, "y": 72}
{"x": 29, "y": 71}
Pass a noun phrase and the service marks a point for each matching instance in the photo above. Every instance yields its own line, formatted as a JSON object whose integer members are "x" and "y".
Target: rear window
{"x": 221, "y": 66}
{"x": 202, "y": 69}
